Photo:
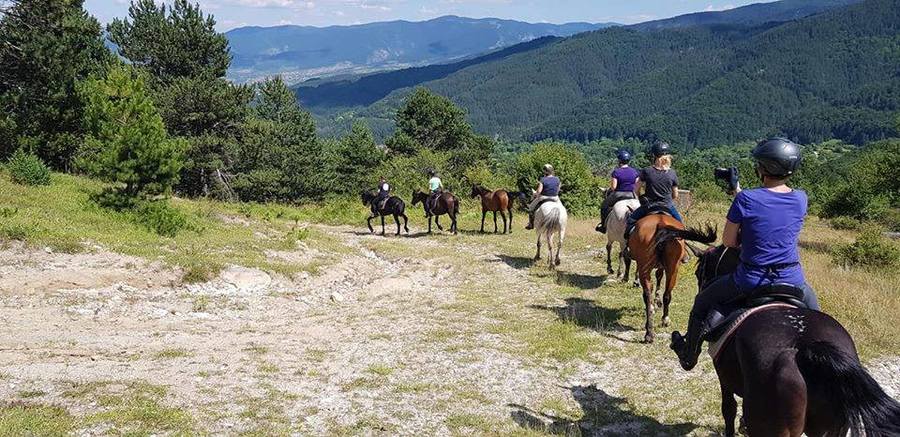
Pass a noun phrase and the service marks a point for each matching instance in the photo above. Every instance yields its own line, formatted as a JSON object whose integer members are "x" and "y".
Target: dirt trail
{"x": 379, "y": 343}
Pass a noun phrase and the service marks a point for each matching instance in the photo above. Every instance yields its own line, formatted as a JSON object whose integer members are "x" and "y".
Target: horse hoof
{"x": 558, "y": 262}
{"x": 648, "y": 338}
{"x": 666, "y": 321}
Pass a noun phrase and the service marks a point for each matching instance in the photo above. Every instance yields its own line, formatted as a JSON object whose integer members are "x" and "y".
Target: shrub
{"x": 580, "y": 189}
{"x": 871, "y": 250}
{"x": 27, "y": 169}
{"x": 845, "y": 223}
{"x": 160, "y": 218}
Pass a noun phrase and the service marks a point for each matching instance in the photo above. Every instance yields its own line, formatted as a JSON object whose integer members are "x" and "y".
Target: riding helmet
{"x": 660, "y": 149}
{"x": 778, "y": 157}
{"x": 624, "y": 156}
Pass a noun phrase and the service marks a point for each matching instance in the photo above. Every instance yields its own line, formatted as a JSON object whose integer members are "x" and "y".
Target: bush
{"x": 580, "y": 189}
{"x": 160, "y": 218}
{"x": 871, "y": 250}
{"x": 27, "y": 169}
{"x": 845, "y": 224}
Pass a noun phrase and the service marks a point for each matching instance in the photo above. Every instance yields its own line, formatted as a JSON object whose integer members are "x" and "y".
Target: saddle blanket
{"x": 716, "y": 347}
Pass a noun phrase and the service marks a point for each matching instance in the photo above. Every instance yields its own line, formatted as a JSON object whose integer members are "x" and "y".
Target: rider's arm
{"x": 637, "y": 187}
{"x": 731, "y": 235}
{"x": 539, "y": 190}
{"x": 613, "y": 183}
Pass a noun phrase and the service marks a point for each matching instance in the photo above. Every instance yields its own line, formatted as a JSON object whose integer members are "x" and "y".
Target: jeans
{"x": 644, "y": 209}
{"x": 537, "y": 201}
{"x": 724, "y": 289}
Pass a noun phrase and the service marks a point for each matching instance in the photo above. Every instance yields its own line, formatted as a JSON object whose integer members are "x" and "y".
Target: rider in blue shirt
{"x": 765, "y": 224}
{"x": 547, "y": 191}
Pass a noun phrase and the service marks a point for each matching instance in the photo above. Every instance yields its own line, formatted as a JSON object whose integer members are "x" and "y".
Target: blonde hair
{"x": 663, "y": 162}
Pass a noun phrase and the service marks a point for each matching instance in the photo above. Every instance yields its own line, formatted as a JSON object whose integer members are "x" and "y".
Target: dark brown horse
{"x": 496, "y": 201}
{"x": 446, "y": 203}
{"x": 797, "y": 371}
{"x": 665, "y": 258}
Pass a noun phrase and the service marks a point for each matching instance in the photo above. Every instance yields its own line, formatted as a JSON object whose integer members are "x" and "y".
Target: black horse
{"x": 797, "y": 371}
{"x": 393, "y": 206}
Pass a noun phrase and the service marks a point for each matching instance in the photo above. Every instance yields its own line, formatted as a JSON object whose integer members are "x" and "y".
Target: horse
{"x": 797, "y": 370}
{"x": 494, "y": 201}
{"x": 663, "y": 255}
{"x": 446, "y": 203}
{"x": 393, "y": 206}
{"x": 615, "y": 233}
{"x": 550, "y": 217}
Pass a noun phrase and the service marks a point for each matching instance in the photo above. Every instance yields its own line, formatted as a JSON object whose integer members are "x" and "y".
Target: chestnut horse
{"x": 446, "y": 203}
{"x": 665, "y": 258}
{"x": 494, "y": 201}
{"x": 797, "y": 371}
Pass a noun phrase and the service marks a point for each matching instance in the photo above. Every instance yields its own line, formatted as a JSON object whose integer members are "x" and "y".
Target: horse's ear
{"x": 698, "y": 252}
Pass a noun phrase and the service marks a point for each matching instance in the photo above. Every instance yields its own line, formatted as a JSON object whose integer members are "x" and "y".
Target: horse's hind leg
{"x": 503, "y": 216}
{"x": 659, "y": 277}
{"x": 495, "y": 222}
{"x": 437, "y": 221}
{"x": 729, "y": 410}
{"x": 397, "y": 221}
{"x": 537, "y": 256}
{"x": 483, "y": 215}
{"x": 550, "y": 248}
{"x": 561, "y": 235}
{"x": 510, "y": 220}
{"x": 405, "y": 223}
{"x": 647, "y": 284}
{"x": 382, "y": 225}
{"x": 369, "y": 224}
{"x": 609, "y": 269}
{"x": 453, "y": 224}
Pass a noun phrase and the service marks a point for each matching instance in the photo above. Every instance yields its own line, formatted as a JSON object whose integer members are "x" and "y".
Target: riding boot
{"x": 600, "y": 228}
{"x": 688, "y": 346}
{"x": 530, "y": 224}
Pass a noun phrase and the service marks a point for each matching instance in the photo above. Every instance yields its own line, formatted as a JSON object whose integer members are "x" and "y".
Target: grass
{"x": 61, "y": 216}
{"x": 21, "y": 419}
{"x": 171, "y": 353}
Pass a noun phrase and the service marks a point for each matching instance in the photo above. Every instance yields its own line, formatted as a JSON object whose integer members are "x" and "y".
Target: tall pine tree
{"x": 46, "y": 47}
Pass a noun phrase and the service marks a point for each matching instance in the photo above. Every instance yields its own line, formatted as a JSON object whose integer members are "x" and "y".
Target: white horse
{"x": 550, "y": 217}
{"x": 615, "y": 233}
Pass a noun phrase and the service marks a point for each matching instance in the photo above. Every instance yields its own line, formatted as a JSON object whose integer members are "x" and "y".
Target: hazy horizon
{"x": 232, "y": 14}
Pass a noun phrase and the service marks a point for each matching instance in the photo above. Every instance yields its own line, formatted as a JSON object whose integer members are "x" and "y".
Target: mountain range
{"x": 302, "y": 52}
{"x": 834, "y": 73}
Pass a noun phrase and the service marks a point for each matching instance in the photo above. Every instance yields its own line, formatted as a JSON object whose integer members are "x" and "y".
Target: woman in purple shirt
{"x": 621, "y": 187}
{"x": 765, "y": 224}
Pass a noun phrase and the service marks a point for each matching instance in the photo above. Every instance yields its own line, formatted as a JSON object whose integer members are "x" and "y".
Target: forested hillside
{"x": 832, "y": 75}
{"x": 303, "y": 52}
{"x": 750, "y": 15}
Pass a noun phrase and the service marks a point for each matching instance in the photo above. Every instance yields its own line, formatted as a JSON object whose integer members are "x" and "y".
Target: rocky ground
{"x": 424, "y": 336}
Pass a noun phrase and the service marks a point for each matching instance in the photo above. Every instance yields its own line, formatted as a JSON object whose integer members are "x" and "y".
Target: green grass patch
{"x": 382, "y": 370}
{"x": 21, "y": 419}
{"x": 171, "y": 353}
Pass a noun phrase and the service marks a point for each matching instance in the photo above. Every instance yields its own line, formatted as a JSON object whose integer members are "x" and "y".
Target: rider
{"x": 765, "y": 224}
{"x": 547, "y": 190}
{"x": 435, "y": 188}
{"x": 660, "y": 184}
{"x": 621, "y": 187}
{"x": 384, "y": 193}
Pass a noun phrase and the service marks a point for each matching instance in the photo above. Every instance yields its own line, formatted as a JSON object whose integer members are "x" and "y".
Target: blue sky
{"x": 237, "y": 13}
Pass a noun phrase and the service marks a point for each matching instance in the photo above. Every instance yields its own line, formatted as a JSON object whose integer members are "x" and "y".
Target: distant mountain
{"x": 368, "y": 89}
{"x": 835, "y": 74}
{"x": 750, "y": 15}
{"x": 303, "y": 52}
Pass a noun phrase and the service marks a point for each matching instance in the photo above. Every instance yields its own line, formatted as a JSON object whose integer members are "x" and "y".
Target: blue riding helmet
{"x": 624, "y": 156}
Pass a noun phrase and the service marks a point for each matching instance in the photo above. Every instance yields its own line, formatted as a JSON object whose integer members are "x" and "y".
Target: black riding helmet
{"x": 623, "y": 156}
{"x": 777, "y": 157}
{"x": 660, "y": 149}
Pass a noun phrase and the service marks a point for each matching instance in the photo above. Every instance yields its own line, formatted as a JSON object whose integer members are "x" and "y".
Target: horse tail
{"x": 513, "y": 196}
{"x": 666, "y": 234}
{"x": 858, "y": 403}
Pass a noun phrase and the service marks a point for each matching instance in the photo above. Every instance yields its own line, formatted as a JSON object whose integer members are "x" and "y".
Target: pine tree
{"x": 46, "y": 46}
{"x": 126, "y": 141}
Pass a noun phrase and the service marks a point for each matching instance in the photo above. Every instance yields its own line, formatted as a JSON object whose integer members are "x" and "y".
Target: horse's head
{"x": 476, "y": 191}
{"x": 713, "y": 262}
{"x": 418, "y": 196}
{"x": 366, "y": 197}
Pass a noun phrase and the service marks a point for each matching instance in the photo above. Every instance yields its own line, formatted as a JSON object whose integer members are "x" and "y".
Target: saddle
{"x": 656, "y": 208}
{"x": 723, "y": 320}
{"x": 543, "y": 201}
